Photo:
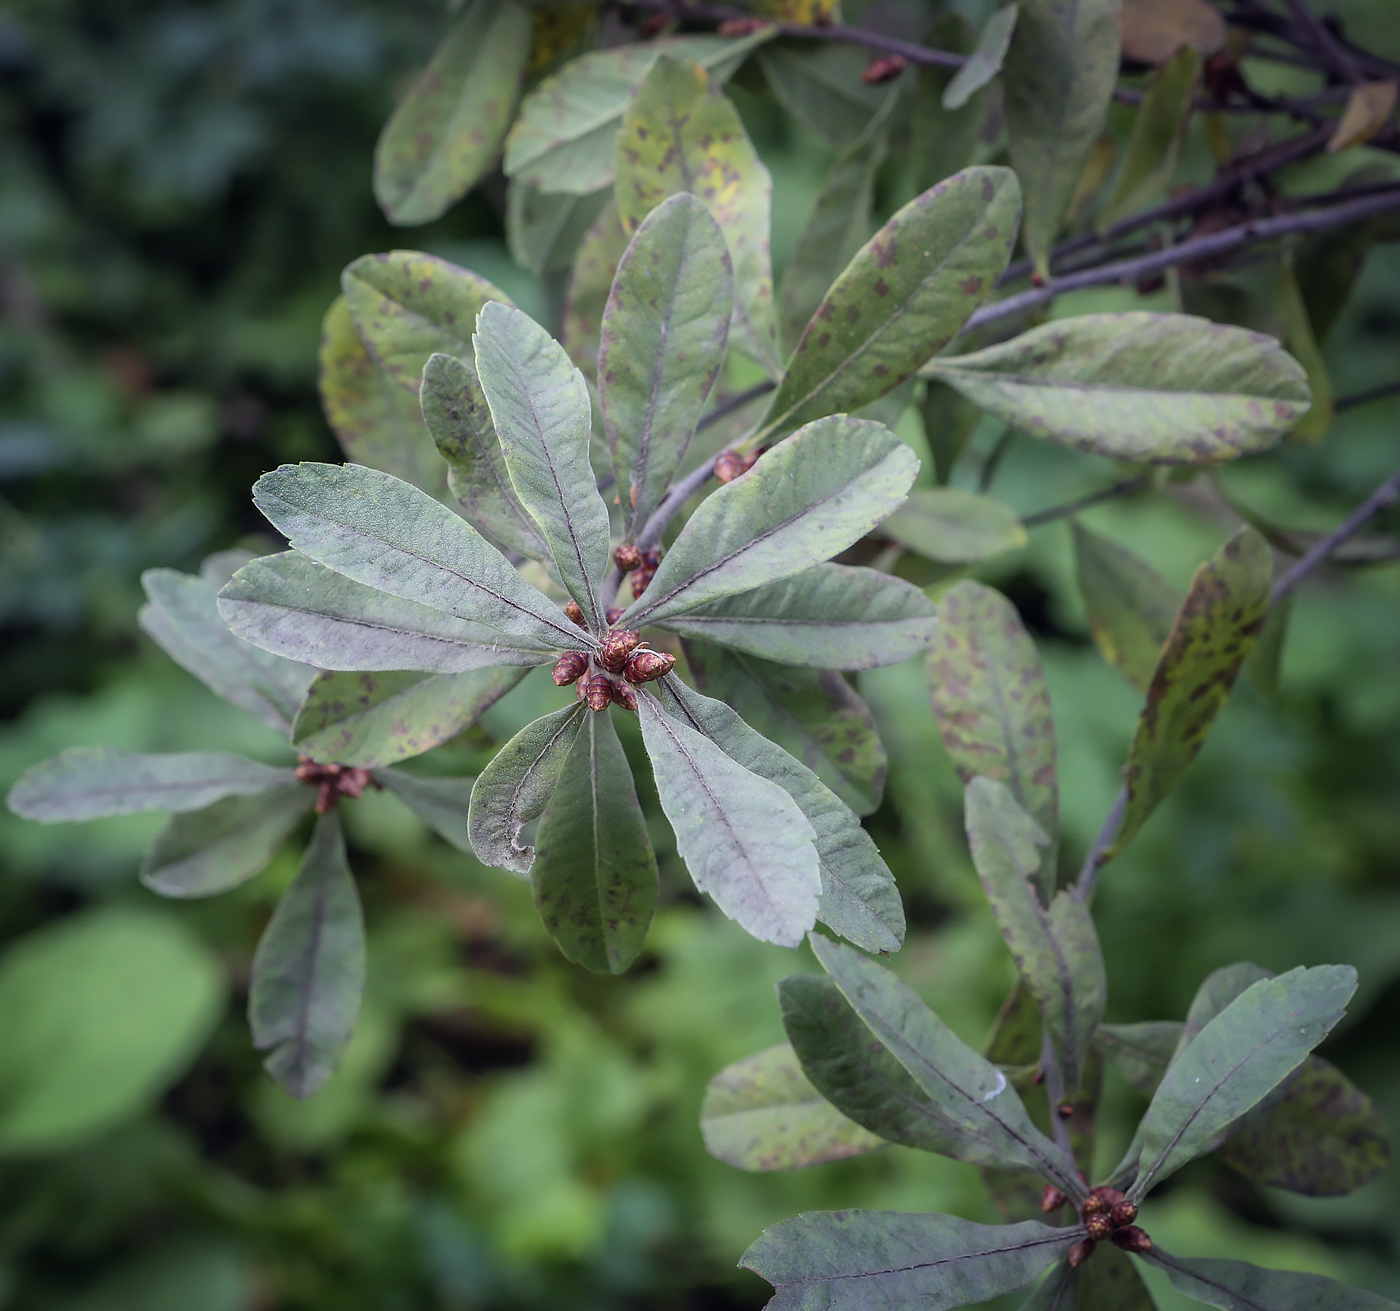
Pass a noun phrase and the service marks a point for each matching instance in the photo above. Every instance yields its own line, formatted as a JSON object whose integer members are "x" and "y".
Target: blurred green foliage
{"x": 180, "y": 185}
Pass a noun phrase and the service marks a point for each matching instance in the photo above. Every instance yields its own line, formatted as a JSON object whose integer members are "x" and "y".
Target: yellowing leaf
{"x": 811, "y": 12}
{"x": 1369, "y": 108}
{"x": 556, "y": 30}
{"x": 1154, "y": 30}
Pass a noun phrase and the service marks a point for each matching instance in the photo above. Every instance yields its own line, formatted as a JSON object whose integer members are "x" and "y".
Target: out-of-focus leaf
{"x": 1245, "y": 1052}
{"x": 681, "y": 133}
{"x": 942, "y": 141}
{"x": 1058, "y": 1291}
{"x": 762, "y": 1114}
{"x": 460, "y": 422}
{"x": 1369, "y": 108}
{"x": 544, "y": 229}
{"x": 207, "y": 851}
{"x": 371, "y": 719}
{"x": 1218, "y": 624}
{"x": 183, "y": 617}
{"x": 904, "y": 295}
{"x": 1141, "y": 1051}
{"x": 818, "y": 83}
{"x": 92, "y": 782}
{"x": 309, "y": 968}
{"x": 1110, "y": 1282}
{"x": 1058, "y": 80}
{"x": 516, "y": 787}
{"x": 441, "y": 803}
{"x": 988, "y": 692}
{"x": 664, "y": 335}
{"x": 1218, "y": 989}
{"x": 543, "y": 417}
{"x": 1154, "y": 30}
{"x": 594, "y": 875}
{"x": 803, "y": 502}
{"x": 1143, "y": 387}
{"x": 742, "y": 837}
{"x": 985, "y": 61}
{"x": 388, "y": 535}
{"x": 815, "y": 716}
{"x": 1239, "y": 1286}
{"x": 589, "y": 287}
{"x": 407, "y": 305}
{"x": 859, "y": 899}
{"x": 950, "y": 419}
{"x": 955, "y": 526}
{"x": 831, "y": 616}
{"x": 292, "y": 605}
{"x": 854, "y": 1260}
{"x": 564, "y": 138}
{"x": 1131, "y": 606}
{"x": 1300, "y": 339}
{"x": 101, "y": 1011}
{"x": 445, "y": 133}
{"x": 1264, "y": 665}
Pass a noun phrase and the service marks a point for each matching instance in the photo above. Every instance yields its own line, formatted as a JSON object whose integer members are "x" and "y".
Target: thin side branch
{"x": 1098, "y": 852}
{"x": 1125, "y": 488}
{"x": 1386, "y": 495}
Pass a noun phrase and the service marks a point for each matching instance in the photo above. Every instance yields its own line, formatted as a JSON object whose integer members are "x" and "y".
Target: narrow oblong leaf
{"x": 985, "y": 61}
{"x": 663, "y": 338}
{"x": 831, "y": 616}
{"x": 379, "y": 531}
{"x": 460, "y": 422}
{"x": 903, "y": 297}
{"x": 1239, "y": 1286}
{"x": 955, "y": 526}
{"x": 93, "y": 782}
{"x": 1143, "y": 1051}
{"x": 291, "y": 605}
{"x": 762, "y": 1114}
{"x": 743, "y": 838}
{"x": 516, "y": 787}
{"x": 445, "y": 133}
{"x": 543, "y": 416}
{"x": 590, "y": 285}
{"x": 853, "y": 1260}
{"x": 803, "y": 502}
{"x": 1217, "y": 626}
{"x": 441, "y": 803}
{"x": 1148, "y": 388}
{"x": 594, "y": 874}
{"x": 681, "y": 134}
{"x": 1245, "y": 1052}
{"x": 309, "y": 968}
{"x": 208, "y": 851}
{"x": 1369, "y": 108}
{"x": 1153, "y": 31}
{"x": 371, "y": 719}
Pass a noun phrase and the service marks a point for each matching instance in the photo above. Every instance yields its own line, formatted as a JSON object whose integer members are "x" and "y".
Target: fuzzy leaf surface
{"x": 1239, "y": 1286}
{"x": 441, "y": 803}
{"x": 1144, "y": 387}
{"x": 955, "y": 526}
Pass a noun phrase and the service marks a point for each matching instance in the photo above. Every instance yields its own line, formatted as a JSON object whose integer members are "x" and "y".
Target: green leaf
{"x": 815, "y": 716}
{"x": 460, "y": 422}
{"x": 543, "y": 416}
{"x": 1058, "y": 80}
{"x": 1246, "y": 1051}
{"x": 183, "y": 617}
{"x": 102, "y": 1011}
{"x": 988, "y": 692}
{"x": 594, "y": 875}
{"x": 854, "y": 1260}
{"x": 441, "y": 803}
{"x": 375, "y": 719}
{"x": 1300, "y": 338}
{"x": 761, "y": 1114}
{"x": 294, "y": 606}
{"x": 903, "y": 297}
{"x": 407, "y": 306}
{"x": 1218, "y": 624}
{"x": 955, "y": 526}
{"x": 1058, "y": 1291}
{"x": 93, "y": 782}
{"x": 804, "y": 501}
{"x": 1159, "y": 127}
{"x": 544, "y": 229}
{"x": 681, "y": 134}
{"x": 1056, "y": 949}
{"x": 590, "y": 284}
{"x": 309, "y": 968}
{"x": 516, "y": 787}
{"x": 387, "y": 535}
{"x": 743, "y": 838}
{"x": 1239, "y": 1286}
{"x": 859, "y": 899}
{"x": 1147, "y": 388}
{"x": 818, "y": 83}
{"x": 663, "y": 340}
{"x": 376, "y": 421}
{"x": 565, "y": 136}
{"x": 831, "y": 616}
{"x": 942, "y": 141}
{"x": 972, "y": 1093}
{"x": 1131, "y": 606}
{"x": 1110, "y": 1282}
{"x": 1143, "y": 1051}
{"x": 984, "y": 63}
{"x": 950, "y": 419}
{"x": 208, "y": 851}
{"x": 1217, "y": 991}
{"x": 444, "y": 135}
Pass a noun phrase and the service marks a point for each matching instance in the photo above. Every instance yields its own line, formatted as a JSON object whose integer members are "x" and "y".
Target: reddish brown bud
{"x": 884, "y": 69}
{"x": 354, "y": 780}
{"x": 751, "y": 458}
{"x": 614, "y": 614}
{"x": 581, "y": 689}
{"x": 1081, "y": 1251}
{"x": 1052, "y": 1198}
{"x": 651, "y": 557}
{"x": 1124, "y": 1213}
{"x": 627, "y": 557}
{"x": 1104, "y": 1198}
{"x": 599, "y": 692}
{"x": 327, "y": 797}
{"x": 568, "y": 667}
{"x": 640, "y": 579}
{"x": 625, "y": 697}
{"x": 1132, "y": 1239}
{"x": 647, "y": 666}
{"x": 729, "y": 466}
{"x": 1098, "y": 1226}
{"x": 1066, "y": 1110}
{"x": 739, "y": 26}
{"x": 575, "y": 612}
{"x": 617, "y": 646}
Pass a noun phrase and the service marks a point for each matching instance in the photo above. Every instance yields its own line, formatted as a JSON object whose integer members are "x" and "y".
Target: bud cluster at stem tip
{"x": 603, "y": 679}
{"x": 1106, "y": 1214}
